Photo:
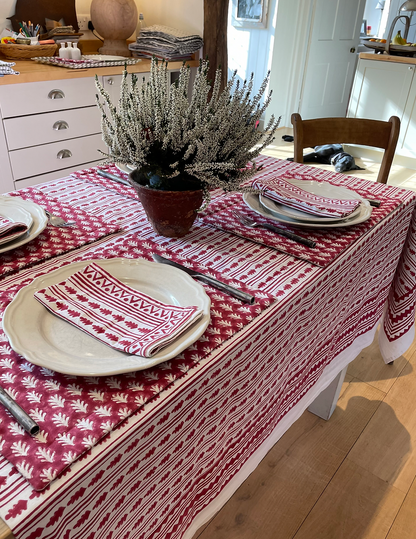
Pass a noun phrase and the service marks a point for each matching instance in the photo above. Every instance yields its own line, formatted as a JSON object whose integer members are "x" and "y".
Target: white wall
{"x": 373, "y": 16}
{"x": 186, "y": 15}
{"x": 6, "y": 10}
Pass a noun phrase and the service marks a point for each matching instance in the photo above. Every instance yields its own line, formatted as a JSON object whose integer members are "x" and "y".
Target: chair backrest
{"x": 311, "y": 133}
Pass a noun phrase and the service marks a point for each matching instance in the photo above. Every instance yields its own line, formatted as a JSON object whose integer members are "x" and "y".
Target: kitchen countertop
{"x": 387, "y": 58}
{"x": 31, "y": 71}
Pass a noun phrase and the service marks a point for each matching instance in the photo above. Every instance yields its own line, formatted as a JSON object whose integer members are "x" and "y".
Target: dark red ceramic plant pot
{"x": 171, "y": 213}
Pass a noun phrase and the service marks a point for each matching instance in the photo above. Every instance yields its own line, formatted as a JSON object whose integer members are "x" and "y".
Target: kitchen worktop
{"x": 387, "y": 58}
{"x": 31, "y": 71}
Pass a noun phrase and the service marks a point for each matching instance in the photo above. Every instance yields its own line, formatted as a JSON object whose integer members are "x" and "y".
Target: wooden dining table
{"x": 154, "y": 453}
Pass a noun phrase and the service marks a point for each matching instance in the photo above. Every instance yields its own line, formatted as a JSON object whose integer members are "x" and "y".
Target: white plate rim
{"x": 40, "y": 220}
{"x": 127, "y": 169}
{"x": 25, "y": 302}
{"x": 253, "y": 202}
{"x": 311, "y": 186}
{"x": 15, "y": 214}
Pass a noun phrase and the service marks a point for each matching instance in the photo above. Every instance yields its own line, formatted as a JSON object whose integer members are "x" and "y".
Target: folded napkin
{"x": 9, "y": 230}
{"x": 283, "y": 192}
{"x": 117, "y": 315}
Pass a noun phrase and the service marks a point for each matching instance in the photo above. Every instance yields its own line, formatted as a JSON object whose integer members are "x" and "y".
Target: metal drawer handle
{"x": 56, "y": 94}
{"x": 110, "y": 81}
{"x": 63, "y": 154}
{"x": 60, "y": 124}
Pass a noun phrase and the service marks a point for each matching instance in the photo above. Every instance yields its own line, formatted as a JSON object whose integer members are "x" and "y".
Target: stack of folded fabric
{"x": 165, "y": 43}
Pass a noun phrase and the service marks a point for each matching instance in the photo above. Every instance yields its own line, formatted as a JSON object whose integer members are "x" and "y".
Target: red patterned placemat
{"x": 330, "y": 242}
{"x": 74, "y": 413}
{"x": 54, "y": 241}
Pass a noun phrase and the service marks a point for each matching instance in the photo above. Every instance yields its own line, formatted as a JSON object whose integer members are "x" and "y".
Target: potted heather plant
{"x": 184, "y": 143}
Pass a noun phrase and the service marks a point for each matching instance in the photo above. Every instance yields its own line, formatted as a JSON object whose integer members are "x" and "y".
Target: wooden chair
{"x": 311, "y": 133}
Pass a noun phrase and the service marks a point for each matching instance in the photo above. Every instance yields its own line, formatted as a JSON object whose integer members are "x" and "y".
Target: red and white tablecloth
{"x": 153, "y": 454}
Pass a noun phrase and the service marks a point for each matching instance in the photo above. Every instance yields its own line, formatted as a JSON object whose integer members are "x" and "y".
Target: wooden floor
{"x": 352, "y": 477}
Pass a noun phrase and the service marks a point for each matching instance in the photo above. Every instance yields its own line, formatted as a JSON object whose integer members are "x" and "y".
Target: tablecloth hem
{"x": 328, "y": 375}
{"x": 392, "y": 350}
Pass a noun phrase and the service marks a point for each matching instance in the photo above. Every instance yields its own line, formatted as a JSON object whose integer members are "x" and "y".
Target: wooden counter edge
{"x": 5, "y": 531}
{"x": 387, "y": 58}
{"x": 31, "y": 71}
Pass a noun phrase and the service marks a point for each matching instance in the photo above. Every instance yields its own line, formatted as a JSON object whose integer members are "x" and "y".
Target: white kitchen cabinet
{"x": 6, "y": 176}
{"x": 46, "y": 96}
{"x": 406, "y": 144}
{"x": 380, "y": 90}
{"x": 49, "y": 127}
{"x": 385, "y": 88}
{"x": 112, "y": 84}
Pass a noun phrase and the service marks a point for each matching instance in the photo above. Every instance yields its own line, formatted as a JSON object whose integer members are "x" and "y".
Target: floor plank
{"x": 292, "y": 477}
{"x": 356, "y": 505}
{"x": 369, "y": 367}
{"x": 404, "y": 527}
{"x": 385, "y": 446}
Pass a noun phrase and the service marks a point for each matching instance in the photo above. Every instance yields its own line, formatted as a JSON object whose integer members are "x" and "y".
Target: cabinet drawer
{"x": 35, "y": 97}
{"x": 51, "y": 127}
{"x": 50, "y": 176}
{"x": 56, "y": 156}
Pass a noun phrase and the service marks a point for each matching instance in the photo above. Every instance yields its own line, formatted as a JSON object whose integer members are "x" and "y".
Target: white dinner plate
{"x": 253, "y": 202}
{"x": 125, "y": 168}
{"x": 321, "y": 189}
{"x": 103, "y": 57}
{"x": 39, "y": 221}
{"x": 48, "y": 341}
{"x": 15, "y": 214}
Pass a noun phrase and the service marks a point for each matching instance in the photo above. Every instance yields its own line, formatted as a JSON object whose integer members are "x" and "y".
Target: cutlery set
{"x": 251, "y": 223}
{"x": 234, "y": 292}
{"x": 54, "y": 220}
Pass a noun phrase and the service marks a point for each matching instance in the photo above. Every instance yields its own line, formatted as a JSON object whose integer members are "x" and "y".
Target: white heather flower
{"x": 209, "y": 137}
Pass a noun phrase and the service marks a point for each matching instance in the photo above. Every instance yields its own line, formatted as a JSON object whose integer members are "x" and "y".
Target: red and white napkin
{"x": 116, "y": 314}
{"x": 9, "y": 230}
{"x": 283, "y": 192}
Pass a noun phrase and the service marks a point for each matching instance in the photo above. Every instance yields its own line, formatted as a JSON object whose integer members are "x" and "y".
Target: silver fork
{"x": 54, "y": 220}
{"x": 251, "y": 223}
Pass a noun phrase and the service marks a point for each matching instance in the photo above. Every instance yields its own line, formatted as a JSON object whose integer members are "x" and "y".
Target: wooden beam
{"x": 215, "y": 36}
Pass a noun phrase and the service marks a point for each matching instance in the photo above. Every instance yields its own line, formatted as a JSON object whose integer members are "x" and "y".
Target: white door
{"x": 332, "y": 57}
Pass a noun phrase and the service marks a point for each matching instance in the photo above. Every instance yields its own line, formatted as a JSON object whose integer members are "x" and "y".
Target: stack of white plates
{"x": 24, "y": 211}
{"x": 284, "y": 214}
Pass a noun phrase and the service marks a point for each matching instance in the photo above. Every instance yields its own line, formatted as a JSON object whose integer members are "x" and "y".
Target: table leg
{"x": 325, "y": 402}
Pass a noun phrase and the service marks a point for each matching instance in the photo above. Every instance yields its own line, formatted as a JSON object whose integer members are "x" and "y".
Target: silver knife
{"x": 110, "y": 176}
{"x": 234, "y": 292}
